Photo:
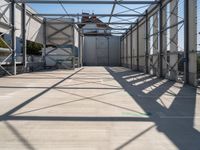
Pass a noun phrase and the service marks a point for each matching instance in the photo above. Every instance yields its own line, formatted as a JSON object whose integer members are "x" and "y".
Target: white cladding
{"x": 34, "y": 25}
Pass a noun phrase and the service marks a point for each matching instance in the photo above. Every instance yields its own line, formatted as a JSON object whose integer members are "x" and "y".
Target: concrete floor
{"x": 97, "y": 108}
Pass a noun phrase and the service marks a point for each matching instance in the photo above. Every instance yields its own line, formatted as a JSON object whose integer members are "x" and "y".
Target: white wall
{"x": 34, "y": 25}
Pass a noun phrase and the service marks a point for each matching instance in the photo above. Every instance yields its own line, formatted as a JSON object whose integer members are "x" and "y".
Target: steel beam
{"x": 186, "y": 36}
{"x": 23, "y": 32}
{"x": 104, "y": 33}
{"x": 127, "y": 50}
{"x": 44, "y": 41}
{"x": 73, "y": 49}
{"x": 13, "y": 36}
{"x": 155, "y": 45}
{"x": 131, "y": 44}
{"x": 138, "y": 45}
{"x": 97, "y": 15}
{"x": 120, "y": 54}
{"x": 81, "y": 23}
{"x": 124, "y": 52}
{"x": 108, "y": 51}
{"x": 123, "y": 29}
{"x": 81, "y": 51}
{"x": 165, "y": 43}
{"x": 112, "y": 12}
{"x": 79, "y": 47}
{"x": 85, "y": 2}
{"x": 160, "y": 63}
{"x": 147, "y": 44}
{"x": 8, "y": 26}
{"x": 174, "y": 59}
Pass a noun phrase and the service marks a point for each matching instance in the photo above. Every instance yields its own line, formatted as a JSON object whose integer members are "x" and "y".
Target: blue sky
{"x": 98, "y": 9}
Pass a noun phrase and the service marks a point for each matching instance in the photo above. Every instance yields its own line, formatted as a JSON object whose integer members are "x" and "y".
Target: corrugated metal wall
{"x": 101, "y": 51}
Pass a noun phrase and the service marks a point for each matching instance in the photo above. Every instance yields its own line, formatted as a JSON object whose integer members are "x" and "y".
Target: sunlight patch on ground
{"x": 197, "y": 111}
{"x": 144, "y": 81}
{"x": 132, "y": 75}
{"x": 167, "y": 99}
{"x": 154, "y": 86}
{"x": 137, "y": 78}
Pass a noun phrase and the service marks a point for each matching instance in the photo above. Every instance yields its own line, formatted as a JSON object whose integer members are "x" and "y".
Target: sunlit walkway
{"x": 97, "y": 108}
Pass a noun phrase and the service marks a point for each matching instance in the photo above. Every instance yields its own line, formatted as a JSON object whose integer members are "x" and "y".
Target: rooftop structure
{"x": 100, "y": 74}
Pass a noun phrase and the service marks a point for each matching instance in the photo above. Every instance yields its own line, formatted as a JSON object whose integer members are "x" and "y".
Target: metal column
{"x": 131, "y": 42}
{"x": 138, "y": 45}
{"x": 13, "y": 36}
{"x": 44, "y": 41}
{"x": 81, "y": 50}
{"x": 127, "y": 49}
{"x": 120, "y": 54}
{"x": 187, "y": 40}
{"x": 73, "y": 49}
{"x": 79, "y": 47}
{"x": 160, "y": 63}
{"x": 174, "y": 41}
{"x": 147, "y": 44}
{"x": 23, "y": 32}
{"x": 108, "y": 51}
{"x": 123, "y": 51}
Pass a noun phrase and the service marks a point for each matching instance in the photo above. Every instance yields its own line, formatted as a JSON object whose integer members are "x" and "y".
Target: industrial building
{"x": 125, "y": 78}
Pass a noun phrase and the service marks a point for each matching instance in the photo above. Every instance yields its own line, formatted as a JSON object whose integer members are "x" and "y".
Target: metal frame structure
{"x": 97, "y": 15}
{"x": 159, "y": 58}
{"x": 10, "y": 25}
{"x": 156, "y": 8}
{"x": 51, "y": 40}
{"x": 86, "y": 2}
{"x": 13, "y": 3}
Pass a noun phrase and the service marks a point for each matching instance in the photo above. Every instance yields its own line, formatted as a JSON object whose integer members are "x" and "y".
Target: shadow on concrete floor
{"x": 175, "y": 121}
